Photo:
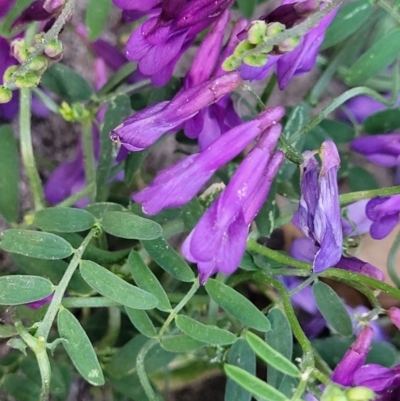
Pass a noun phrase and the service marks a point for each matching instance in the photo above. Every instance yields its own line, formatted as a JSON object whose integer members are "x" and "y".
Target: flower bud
{"x": 28, "y": 80}
{"x": 54, "y": 50}
{"x": 274, "y": 28}
{"x": 256, "y": 60}
{"x": 287, "y": 45}
{"x": 53, "y": 6}
{"x": 360, "y": 394}
{"x": 8, "y": 73}
{"x": 256, "y": 32}
{"x": 5, "y": 95}
{"x": 242, "y": 47}
{"x": 333, "y": 393}
{"x": 231, "y": 63}
{"x": 39, "y": 64}
{"x": 19, "y": 50}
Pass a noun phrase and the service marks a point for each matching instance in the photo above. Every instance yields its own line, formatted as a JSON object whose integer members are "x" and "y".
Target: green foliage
{"x": 97, "y": 12}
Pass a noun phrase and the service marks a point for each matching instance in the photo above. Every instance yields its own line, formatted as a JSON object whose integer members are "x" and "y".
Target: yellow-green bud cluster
{"x": 76, "y": 112}
{"x": 257, "y": 34}
{"x": 335, "y": 393}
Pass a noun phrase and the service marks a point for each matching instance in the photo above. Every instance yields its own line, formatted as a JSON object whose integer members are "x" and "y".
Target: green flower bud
{"x": 333, "y": 393}
{"x": 54, "y": 50}
{"x": 256, "y": 33}
{"x": 19, "y": 50}
{"x": 66, "y": 112}
{"x": 360, "y": 394}
{"x": 28, "y": 80}
{"x": 8, "y": 73}
{"x": 5, "y": 94}
{"x": 288, "y": 45}
{"x": 275, "y": 28}
{"x": 39, "y": 64}
{"x": 256, "y": 60}
{"x": 231, "y": 63}
{"x": 75, "y": 112}
{"x": 242, "y": 47}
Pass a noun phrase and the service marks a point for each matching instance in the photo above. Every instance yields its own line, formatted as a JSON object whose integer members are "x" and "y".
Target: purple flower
{"x": 147, "y": 126}
{"x": 394, "y": 315}
{"x": 179, "y": 183}
{"x": 5, "y": 6}
{"x": 384, "y": 213}
{"x": 360, "y": 107}
{"x": 302, "y": 58}
{"x": 158, "y": 43}
{"x": 40, "y": 303}
{"x": 218, "y": 241}
{"x": 383, "y": 150}
{"x": 354, "y": 219}
{"x": 318, "y": 215}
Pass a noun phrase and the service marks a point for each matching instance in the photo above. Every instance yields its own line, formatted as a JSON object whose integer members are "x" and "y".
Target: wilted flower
{"x": 179, "y": 183}
{"x": 218, "y": 241}
{"x": 318, "y": 215}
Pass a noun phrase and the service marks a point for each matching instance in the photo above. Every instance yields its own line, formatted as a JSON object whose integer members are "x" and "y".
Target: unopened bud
{"x": 19, "y": 50}
{"x": 53, "y": 6}
{"x": 360, "y": 394}
{"x": 5, "y": 94}
{"x": 242, "y": 47}
{"x": 256, "y": 32}
{"x": 275, "y": 28}
{"x": 75, "y": 112}
{"x": 333, "y": 393}
{"x": 39, "y": 64}
{"x": 28, "y": 80}
{"x": 256, "y": 60}
{"x": 231, "y": 63}
{"x": 54, "y": 50}
{"x": 8, "y": 73}
{"x": 287, "y": 45}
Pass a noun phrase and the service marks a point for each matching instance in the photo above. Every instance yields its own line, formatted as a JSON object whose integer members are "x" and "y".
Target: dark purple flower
{"x": 147, "y": 126}
{"x": 158, "y": 43}
{"x": 179, "y": 183}
{"x": 318, "y": 215}
{"x": 5, "y": 6}
{"x": 40, "y": 303}
{"x": 303, "y": 57}
{"x": 353, "y": 359}
{"x": 218, "y": 241}
{"x": 383, "y": 150}
{"x": 384, "y": 213}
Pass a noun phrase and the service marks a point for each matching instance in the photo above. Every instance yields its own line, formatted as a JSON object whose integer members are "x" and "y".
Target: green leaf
{"x": 254, "y": 385}
{"x": 140, "y": 319}
{"x": 9, "y": 174}
{"x": 242, "y": 356}
{"x": 361, "y": 180}
{"x": 337, "y": 131}
{"x": 99, "y": 208}
{"x": 127, "y": 225}
{"x": 17, "y": 290}
{"x": 20, "y": 388}
{"x": 332, "y": 308}
{"x": 147, "y": 281}
{"x": 348, "y": 19}
{"x": 7, "y": 330}
{"x": 247, "y": 7}
{"x": 382, "y": 122}
{"x": 237, "y": 305}
{"x": 266, "y": 217}
{"x": 63, "y": 219}
{"x": 118, "y": 109}
{"x": 97, "y": 12}
{"x": 35, "y": 244}
{"x": 270, "y": 356}
{"x": 375, "y": 59}
{"x": 79, "y": 348}
{"x": 113, "y": 287}
{"x": 168, "y": 259}
{"x": 280, "y": 338}
{"x": 191, "y": 213}
{"x": 66, "y": 83}
{"x": 132, "y": 164}
{"x": 201, "y": 332}
{"x": 181, "y": 343}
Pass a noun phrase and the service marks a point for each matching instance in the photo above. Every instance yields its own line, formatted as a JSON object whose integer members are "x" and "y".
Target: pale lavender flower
{"x": 218, "y": 241}
{"x": 179, "y": 183}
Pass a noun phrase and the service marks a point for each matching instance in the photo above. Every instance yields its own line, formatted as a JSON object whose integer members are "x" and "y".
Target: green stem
{"x": 268, "y": 89}
{"x": 92, "y": 302}
{"x": 45, "y": 325}
{"x": 391, "y": 263}
{"x": 178, "y": 307}
{"x": 28, "y": 157}
{"x": 302, "y": 385}
{"x": 372, "y": 193}
{"x": 144, "y": 380}
{"x": 89, "y": 160}
{"x": 46, "y": 100}
{"x": 297, "y": 31}
{"x": 51, "y": 34}
{"x": 114, "y": 325}
{"x": 71, "y": 200}
{"x": 392, "y": 11}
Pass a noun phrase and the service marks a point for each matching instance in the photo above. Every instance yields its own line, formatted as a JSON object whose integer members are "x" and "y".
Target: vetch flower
{"x": 318, "y": 215}
{"x": 218, "y": 241}
{"x": 179, "y": 183}
{"x": 148, "y": 125}
{"x": 40, "y": 303}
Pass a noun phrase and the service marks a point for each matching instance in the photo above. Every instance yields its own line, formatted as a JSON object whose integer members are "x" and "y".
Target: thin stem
{"x": 28, "y": 157}
{"x": 89, "y": 160}
{"x": 392, "y": 11}
{"x": 45, "y": 325}
{"x": 51, "y": 34}
{"x": 269, "y": 89}
{"x": 372, "y": 193}
{"x": 391, "y": 261}
{"x": 178, "y": 307}
{"x": 47, "y": 100}
{"x": 71, "y": 200}
{"x": 297, "y": 31}
{"x": 92, "y": 302}
{"x": 144, "y": 380}
{"x": 114, "y": 325}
